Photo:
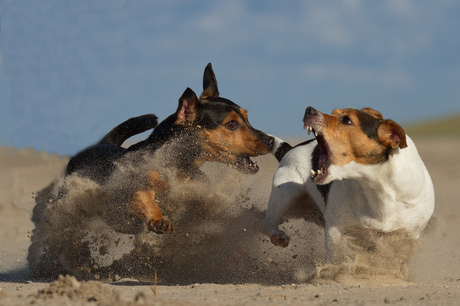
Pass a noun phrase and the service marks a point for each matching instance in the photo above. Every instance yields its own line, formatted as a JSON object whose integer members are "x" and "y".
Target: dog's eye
{"x": 346, "y": 120}
{"x": 231, "y": 125}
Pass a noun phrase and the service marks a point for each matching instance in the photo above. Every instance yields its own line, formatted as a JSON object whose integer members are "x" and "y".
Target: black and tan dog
{"x": 210, "y": 128}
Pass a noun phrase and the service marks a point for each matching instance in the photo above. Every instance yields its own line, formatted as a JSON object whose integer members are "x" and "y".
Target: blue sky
{"x": 71, "y": 70}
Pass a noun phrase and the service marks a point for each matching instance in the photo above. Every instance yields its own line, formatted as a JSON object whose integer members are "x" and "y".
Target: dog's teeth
{"x": 308, "y": 130}
{"x": 319, "y": 172}
{"x": 316, "y": 134}
{"x": 313, "y": 172}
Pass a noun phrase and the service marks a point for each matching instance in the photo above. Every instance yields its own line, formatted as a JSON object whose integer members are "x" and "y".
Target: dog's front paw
{"x": 280, "y": 239}
{"x": 160, "y": 226}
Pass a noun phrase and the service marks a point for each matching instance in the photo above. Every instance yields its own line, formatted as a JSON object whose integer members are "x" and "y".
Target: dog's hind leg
{"x": 144, "y": 207}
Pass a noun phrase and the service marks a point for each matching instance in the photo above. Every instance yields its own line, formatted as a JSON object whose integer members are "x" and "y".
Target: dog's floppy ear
{"x": 391, "y": 135}
{"x": 187, "y": 111}
{"x": 373, "y": 112}
{"x": 209, "y": 83}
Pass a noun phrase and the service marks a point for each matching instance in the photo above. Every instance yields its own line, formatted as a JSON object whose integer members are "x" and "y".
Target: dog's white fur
{"x": 393, "y": 195}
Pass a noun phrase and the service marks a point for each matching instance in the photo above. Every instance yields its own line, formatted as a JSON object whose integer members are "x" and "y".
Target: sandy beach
{"x": 218, "y": 257}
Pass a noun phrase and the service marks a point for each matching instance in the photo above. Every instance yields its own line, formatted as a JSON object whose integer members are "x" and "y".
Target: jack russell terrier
{"x": 362, "y": 172}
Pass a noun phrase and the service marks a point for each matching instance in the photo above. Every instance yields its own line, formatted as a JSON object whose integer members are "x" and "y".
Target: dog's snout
{"x": 311, "y": 111}
{"x": 269, "y": 142}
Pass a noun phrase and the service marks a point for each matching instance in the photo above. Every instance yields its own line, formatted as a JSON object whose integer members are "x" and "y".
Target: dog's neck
{"x": 400, "y": 179}
{"x": 390, "y": 194}
{"x": 181, "y": 153}
{"x": 179, "y": 147}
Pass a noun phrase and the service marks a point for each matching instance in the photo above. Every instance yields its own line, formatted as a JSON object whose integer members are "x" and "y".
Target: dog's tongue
{"x": 322, "y": 161}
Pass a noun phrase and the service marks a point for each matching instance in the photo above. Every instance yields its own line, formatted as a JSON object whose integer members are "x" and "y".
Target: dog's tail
{"x": 129, "y": 128}
{"x": 280, "y": 148}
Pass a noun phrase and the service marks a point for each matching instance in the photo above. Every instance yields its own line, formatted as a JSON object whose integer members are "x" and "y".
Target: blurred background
{"x": 72, "y": 70}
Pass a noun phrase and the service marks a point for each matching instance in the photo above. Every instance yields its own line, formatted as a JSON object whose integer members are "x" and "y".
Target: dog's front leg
{"x": 286, "y": 190}
{"x": 143, "y": 205}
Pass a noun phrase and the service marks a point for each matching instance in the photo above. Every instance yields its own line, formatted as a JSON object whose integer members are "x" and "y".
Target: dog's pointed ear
{"x": 391, "y": 135}
{"x": 209, "y": 83}
{"x": 187, "y": 111}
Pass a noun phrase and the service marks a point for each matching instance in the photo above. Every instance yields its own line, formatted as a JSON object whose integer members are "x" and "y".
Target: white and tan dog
{"x": 362, "y": 172}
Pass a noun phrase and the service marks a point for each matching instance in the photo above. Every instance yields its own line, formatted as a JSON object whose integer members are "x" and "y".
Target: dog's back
{"x": 96, "y": 162}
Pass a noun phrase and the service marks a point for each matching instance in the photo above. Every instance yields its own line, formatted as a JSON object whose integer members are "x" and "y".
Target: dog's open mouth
{"x": 321, "y": 160}
{"x": 246, "y": 165}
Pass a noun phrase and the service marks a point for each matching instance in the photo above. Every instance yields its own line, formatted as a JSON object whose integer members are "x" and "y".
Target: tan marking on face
{"x": 336, "y": 112}
{"x": 244, "y": 113}
{"x": 348, "y": 142}
{"x": 225, "y": 144}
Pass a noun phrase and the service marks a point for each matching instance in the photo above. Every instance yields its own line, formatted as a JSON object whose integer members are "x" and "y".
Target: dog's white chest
{"x": 397, "y": 195}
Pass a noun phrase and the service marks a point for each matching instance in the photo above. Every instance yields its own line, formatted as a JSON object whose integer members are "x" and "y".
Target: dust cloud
{"x": 83, "y": 229}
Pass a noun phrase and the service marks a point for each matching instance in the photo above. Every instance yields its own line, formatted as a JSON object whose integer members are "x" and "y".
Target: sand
{"x": 216, "y": 256}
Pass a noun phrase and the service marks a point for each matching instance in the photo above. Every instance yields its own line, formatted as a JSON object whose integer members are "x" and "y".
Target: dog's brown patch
{"x": 143, "y": 204}
{"x": 373, "y": 112}
{"x": 347, "y": 140}
{"x": 235, "y": 137}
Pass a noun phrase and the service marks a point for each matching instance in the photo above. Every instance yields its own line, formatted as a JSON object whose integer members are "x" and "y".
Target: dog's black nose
{"x": 311, "y": 111}
{"x": 269, "y": 142}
